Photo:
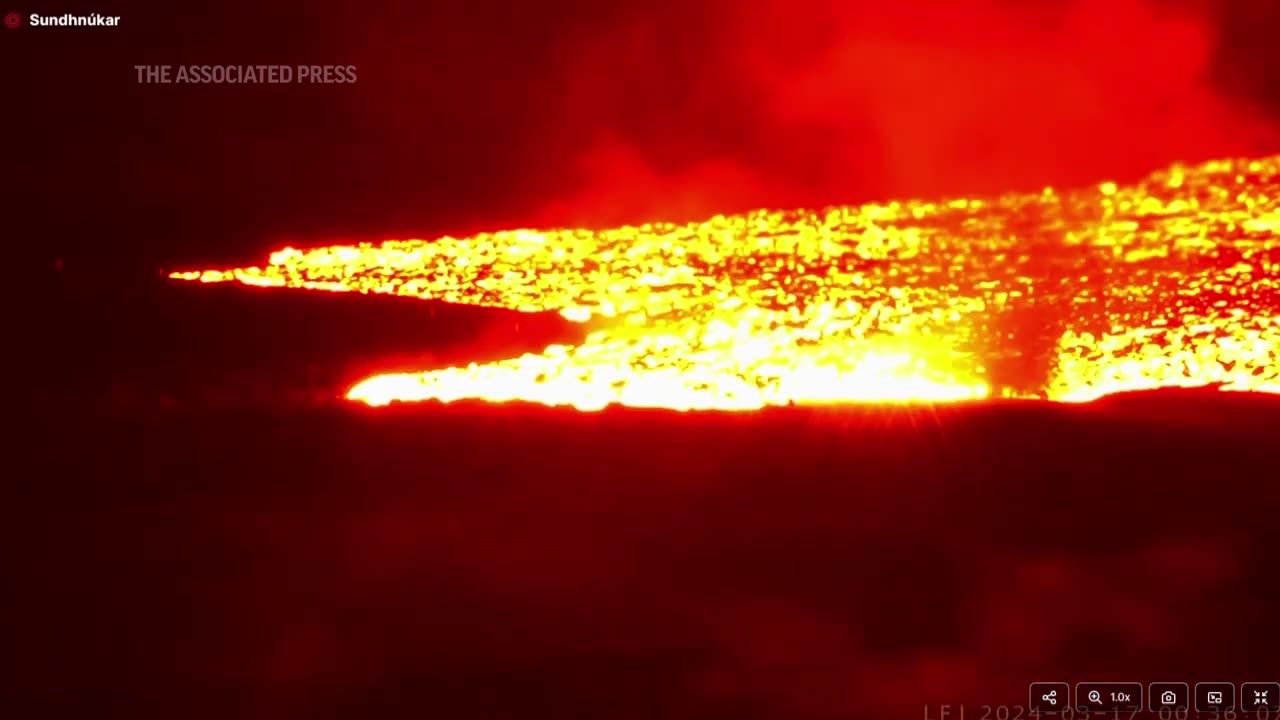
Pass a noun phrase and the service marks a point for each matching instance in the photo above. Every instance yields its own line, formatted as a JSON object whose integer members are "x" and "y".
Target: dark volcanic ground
{"x": 202, "y": 532}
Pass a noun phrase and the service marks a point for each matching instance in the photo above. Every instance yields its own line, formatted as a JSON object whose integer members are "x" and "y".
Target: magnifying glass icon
{"x": 1095, "y": 696}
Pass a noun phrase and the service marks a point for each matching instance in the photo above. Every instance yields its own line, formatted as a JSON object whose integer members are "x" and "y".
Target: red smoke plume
{"x": 674, "y": 113}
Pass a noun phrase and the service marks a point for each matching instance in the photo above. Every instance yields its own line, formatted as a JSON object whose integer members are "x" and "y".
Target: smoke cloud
{"x": 672, "y": 113}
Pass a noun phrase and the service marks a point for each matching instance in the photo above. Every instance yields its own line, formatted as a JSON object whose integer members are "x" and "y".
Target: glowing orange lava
{"x": 1169, "y": 282}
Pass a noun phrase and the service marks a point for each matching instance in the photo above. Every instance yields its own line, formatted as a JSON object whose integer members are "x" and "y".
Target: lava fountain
{"x": 1171, "y": 281}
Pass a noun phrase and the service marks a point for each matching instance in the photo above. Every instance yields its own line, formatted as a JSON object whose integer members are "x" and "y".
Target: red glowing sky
{"x": 481, "y": 114}
{"x": 819, "y": 101}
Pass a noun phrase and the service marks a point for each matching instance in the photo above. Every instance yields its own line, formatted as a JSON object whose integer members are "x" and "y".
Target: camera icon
{"x": 1170, "y": 696}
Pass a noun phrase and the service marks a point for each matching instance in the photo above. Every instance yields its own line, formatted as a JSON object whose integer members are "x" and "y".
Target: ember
{"x": 1169, "y": 282}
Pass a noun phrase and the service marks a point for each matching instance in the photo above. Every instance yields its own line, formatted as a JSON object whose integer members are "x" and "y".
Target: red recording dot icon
{"x": 12, "y": 20}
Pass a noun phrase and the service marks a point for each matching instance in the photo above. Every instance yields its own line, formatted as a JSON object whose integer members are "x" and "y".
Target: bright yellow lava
{"x": 1169, "y": 282}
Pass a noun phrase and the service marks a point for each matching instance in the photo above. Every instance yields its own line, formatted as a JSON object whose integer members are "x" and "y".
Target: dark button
{"x": 1108, "y": 697}
{"x": 1215, "y": 696}
{"x": 1168, "y": 696}
{"x": 1048, "y": 697}
{"x": 1260, "y": 697}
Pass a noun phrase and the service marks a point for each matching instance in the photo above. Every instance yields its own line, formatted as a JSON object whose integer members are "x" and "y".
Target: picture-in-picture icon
{"x": 1215, "y": 696}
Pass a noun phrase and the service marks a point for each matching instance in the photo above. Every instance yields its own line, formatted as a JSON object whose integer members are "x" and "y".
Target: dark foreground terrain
{"x": 176, "y": 549}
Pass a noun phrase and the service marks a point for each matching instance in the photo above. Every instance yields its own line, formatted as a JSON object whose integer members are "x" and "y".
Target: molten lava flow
{"x": 1169, "y": 282}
